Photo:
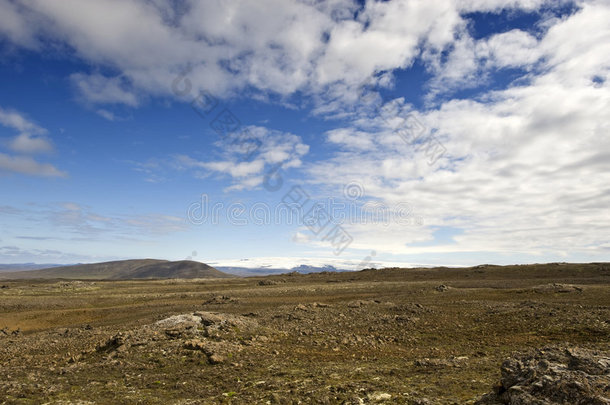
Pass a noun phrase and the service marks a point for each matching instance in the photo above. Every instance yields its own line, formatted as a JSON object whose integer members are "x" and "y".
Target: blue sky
{"x": 418, "y": 133}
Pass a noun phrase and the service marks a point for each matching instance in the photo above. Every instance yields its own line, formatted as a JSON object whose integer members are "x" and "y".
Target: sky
{"x": 283, "y": 133}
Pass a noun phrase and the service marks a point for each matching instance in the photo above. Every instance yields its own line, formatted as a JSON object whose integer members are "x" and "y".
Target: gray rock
{"x": 553, "y": 376}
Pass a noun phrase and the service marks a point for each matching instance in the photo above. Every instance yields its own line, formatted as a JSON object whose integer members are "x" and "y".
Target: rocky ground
{"x": 477, "y": 336}
{"x": 554, "y": 375}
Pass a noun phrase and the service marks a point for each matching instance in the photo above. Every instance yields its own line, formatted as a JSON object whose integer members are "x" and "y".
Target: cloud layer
{"x": 527, "y": 168}
{"x": 525, "y": 162}
{"x": 277, "y": 46}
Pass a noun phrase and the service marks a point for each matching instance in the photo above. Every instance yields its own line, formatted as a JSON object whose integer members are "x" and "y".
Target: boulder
{"x": 553, "y": 376}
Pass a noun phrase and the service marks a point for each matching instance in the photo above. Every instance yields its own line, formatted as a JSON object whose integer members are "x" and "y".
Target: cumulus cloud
{"x": 32, "y": 139}
{"x": 15, "y": 120}
{"x": 470, "y": 62}
{"x": 527, "y": 167}
{"x": 495, "y": 5}
{"x": 26, "y": 143}
{"x": 248, "y": 155}
{"x": 16, "y": 24}
{"x": 320, "y": 48}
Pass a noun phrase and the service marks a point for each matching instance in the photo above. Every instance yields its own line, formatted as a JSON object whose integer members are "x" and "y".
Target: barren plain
{"x": 406, "y": 336}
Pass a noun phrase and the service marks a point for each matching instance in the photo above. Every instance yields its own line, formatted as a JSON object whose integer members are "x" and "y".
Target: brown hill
{"x": 123, "y": 270}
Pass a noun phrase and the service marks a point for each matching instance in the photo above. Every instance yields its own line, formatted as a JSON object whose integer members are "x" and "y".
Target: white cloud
{"x": 71, "y": 219}
{"x": 514, "y": 48}
{"x": 16, "y": 24}
{"x": 527, "y": 168}
{"x": 70, "y": 206}
{"x": 470, "y": 62}
{"x": 496, "y": 5}
{"x": 302, "y": 237}
{"x": 349, "y": 138}
{"x": 15, "y": 120}
{"x": 385, "y": 36}
{"x": 26, "y": 143}
{"x": 320, "y": 48}
{"x": 247, "y": 156}
{"x": 579, "y": 47}
{"x": 18, "y": 254}
{"x": 109, "y": 115}
{"x": 96, "y": 88}
{"x": 27, "y": 165}
{"x": 31, "y": 140}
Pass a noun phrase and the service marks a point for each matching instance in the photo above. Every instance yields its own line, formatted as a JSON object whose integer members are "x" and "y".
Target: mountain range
{"x": 122, "y": 270}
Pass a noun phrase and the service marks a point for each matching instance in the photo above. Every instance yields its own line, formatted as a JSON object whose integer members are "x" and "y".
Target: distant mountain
{"x": 313, "y": 269}
{"x": 26, "y": 266}
{"x": 123, "y": 270}
{"x": 266, "y": 271}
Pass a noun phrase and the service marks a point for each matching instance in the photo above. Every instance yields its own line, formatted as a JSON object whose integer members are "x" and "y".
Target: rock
{"x": 182, "y": 321}
{"x": 557, "y": 288}
{"x": 275, "y": 399}
{"x": 250, "y": 314}
{"x": 440, "y": 363}
{"x": 267, "y": 282}
{"x": 442, "y": 288}
{"x": 405, "y": 318}
{"x": 208, "y": 318}
{"x": 553, "y": 376}
{"x": 361, "y": 303}
{"x": 112, "y": 344}
{"x": 379, "y": 396}
{"x": 220, "y": 299}
{"x": 216, "y": 358}
{"x": 580, "y": 360}
{"x": 195, "y": 344}
{"x": 173, "y": 333}
{"x": 208, "y": 324}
